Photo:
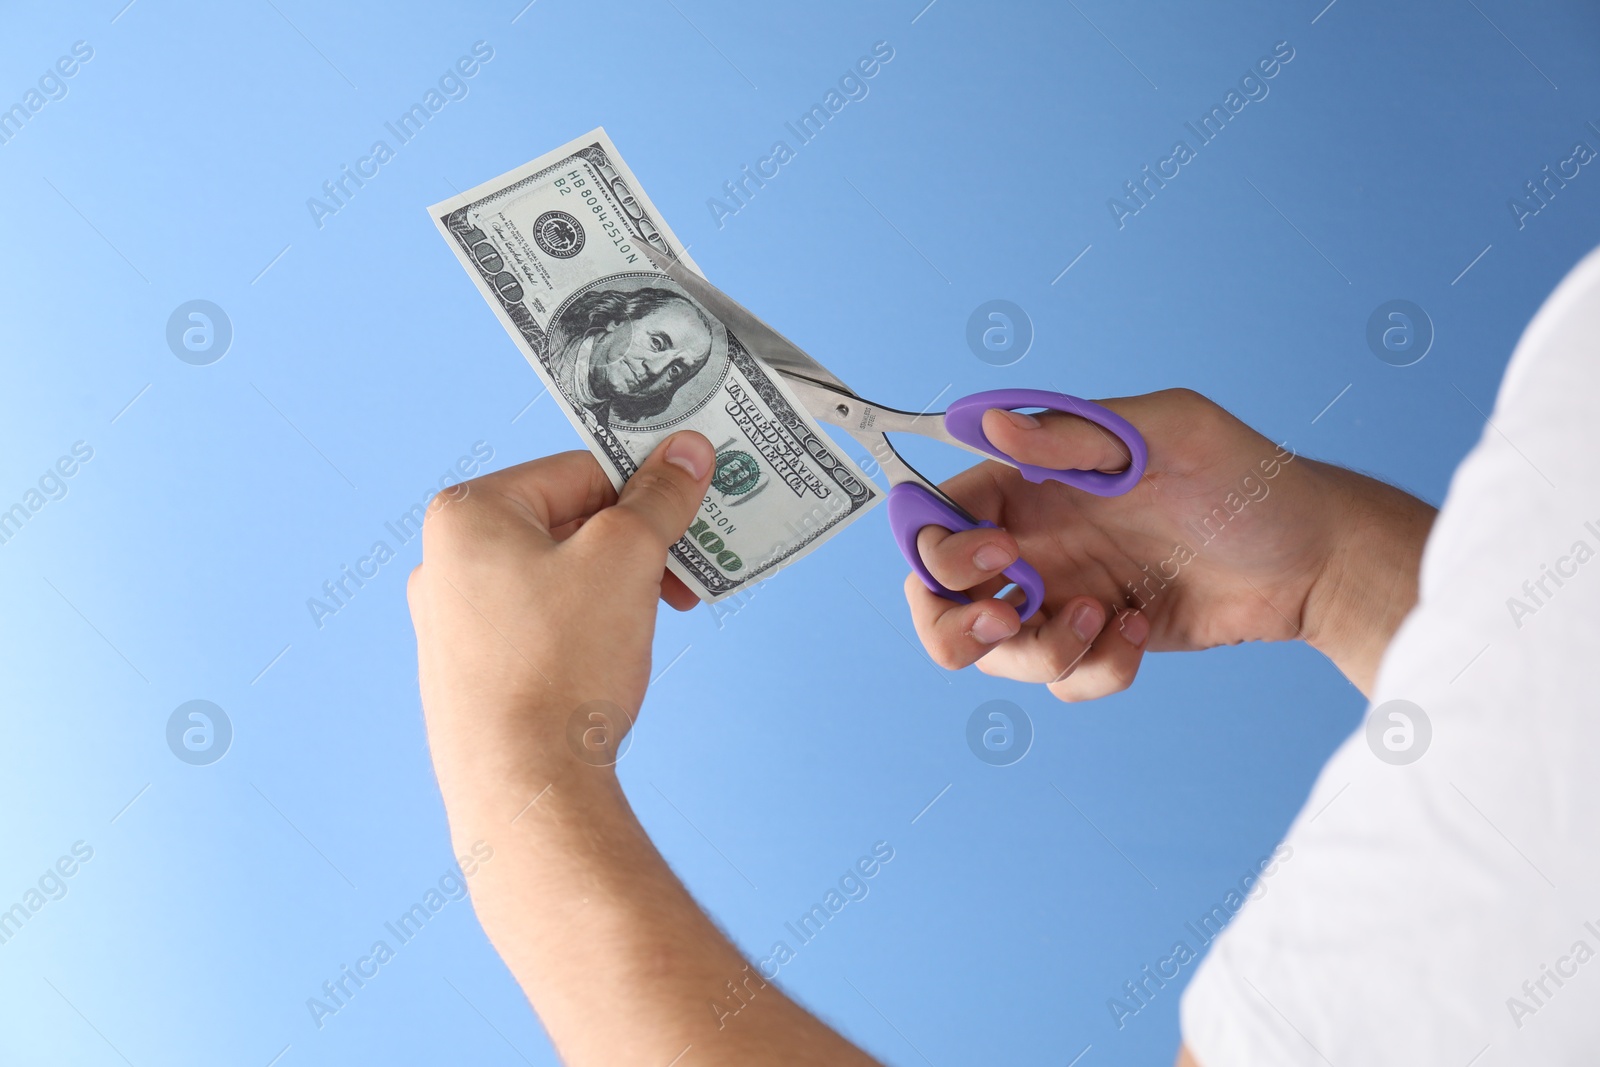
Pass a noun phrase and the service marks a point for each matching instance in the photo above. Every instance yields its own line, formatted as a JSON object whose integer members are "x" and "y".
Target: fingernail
{"x": 1136, "y": 628}
{"x": 988, "y": 629}
{"x": 1021, "y": 420}
{"x": 1086, "y": 621}
{"x": 991, "y": 558}
{"x": 691, "y": 453}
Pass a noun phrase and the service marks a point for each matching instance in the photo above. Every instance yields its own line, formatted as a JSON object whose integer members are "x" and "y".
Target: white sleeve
{"x": 1447, "y": 910}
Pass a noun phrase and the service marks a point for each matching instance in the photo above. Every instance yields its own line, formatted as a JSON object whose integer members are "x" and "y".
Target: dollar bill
{"x": 630, "y": 358}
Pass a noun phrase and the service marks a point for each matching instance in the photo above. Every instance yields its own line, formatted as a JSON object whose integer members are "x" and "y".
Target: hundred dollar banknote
{"x": 629, "y": 357}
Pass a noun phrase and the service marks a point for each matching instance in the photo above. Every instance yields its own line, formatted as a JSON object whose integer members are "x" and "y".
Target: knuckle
{"x": 929, "y": 540}
{"x": 946, "y": 655}
{"x": 613, "y": 523}
{"x": 926, "y": 607}
{"x": 1085, "y": 685}
{"x": 454, "y": 493}
{"x": 1070, "y": 693}
{"x": 1061, "y": 663}
{"x": 1185, "y": 396}
{"x": 660, "y": 487}
{"x": 1104, "y": 680}
{"x": 448, "y": 524}
{"x": 1002, "y": 537}
{"x": 618, "y": 524}
{"x": 1121, "y": 673}
{"x": 1199, "y": 410}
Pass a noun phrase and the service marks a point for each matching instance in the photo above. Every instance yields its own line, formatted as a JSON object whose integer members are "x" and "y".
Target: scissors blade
{"x": 863, "y": 419}
{"x": 817, "y": 388}
{"x": 774, "y": 349}
{"x": 869, "y": 423}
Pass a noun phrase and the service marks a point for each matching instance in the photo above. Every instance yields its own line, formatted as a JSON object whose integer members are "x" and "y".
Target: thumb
{"x": 667, "y": 488}
{"x": 1055, "y": 439}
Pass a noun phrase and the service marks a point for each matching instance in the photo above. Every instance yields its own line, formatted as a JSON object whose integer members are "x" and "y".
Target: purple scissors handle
{"x": 964, "y": 420}
{"x": 912, "y": 506}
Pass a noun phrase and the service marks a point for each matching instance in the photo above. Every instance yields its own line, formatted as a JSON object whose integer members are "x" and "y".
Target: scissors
{"x": 914, "y": 501}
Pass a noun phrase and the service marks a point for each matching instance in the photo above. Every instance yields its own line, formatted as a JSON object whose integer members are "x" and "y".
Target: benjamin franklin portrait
{"x": 624, "y": 354}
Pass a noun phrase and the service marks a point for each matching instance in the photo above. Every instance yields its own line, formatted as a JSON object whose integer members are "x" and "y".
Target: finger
{"x": 679, "y": 596}
{"x": 968, "y": 558}
{"x": 414, "y": 591}
{"x": 1111, "y": 664}
{"x": 555, "y": 490}
{"x": 1056, "y": 440}
{"x": 1166, "y": 419}
{"x": 956, "y": 635}
{"x": 665, "y": 492}
{"x": 1052, "y": 651}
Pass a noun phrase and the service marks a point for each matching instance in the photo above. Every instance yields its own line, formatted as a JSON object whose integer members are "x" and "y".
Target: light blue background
{"x": 782, "y": 745}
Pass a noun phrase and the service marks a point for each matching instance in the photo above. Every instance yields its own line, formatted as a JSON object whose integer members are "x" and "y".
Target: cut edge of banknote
{"x": 661, "y": 237}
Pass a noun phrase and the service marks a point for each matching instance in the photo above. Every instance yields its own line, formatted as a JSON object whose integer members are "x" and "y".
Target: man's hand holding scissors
{"x": 1227, "y": 538}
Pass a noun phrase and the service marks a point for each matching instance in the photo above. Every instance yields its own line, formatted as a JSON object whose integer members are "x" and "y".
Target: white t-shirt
{"x": 1447, "y": 910}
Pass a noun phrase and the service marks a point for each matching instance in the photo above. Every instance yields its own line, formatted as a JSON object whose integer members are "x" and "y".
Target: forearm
{"x": 1369, "y": 582}
{"x": 619, "y": 962}
{"x": 536, "y": 600}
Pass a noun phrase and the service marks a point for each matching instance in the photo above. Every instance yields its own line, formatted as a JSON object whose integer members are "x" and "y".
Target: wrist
{"x": 1368, "y": 582}
{"x": 492, "y": 764}
{"x": 570, "y": 860}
